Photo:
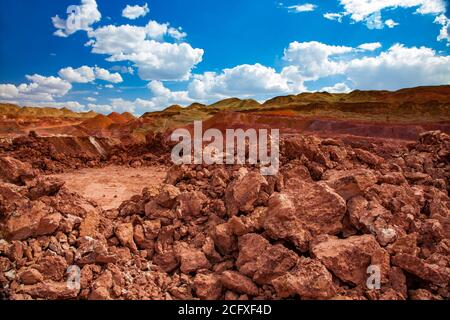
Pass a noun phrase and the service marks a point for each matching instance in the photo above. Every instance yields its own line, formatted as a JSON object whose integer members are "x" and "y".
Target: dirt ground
{"x": 112, "y": 185}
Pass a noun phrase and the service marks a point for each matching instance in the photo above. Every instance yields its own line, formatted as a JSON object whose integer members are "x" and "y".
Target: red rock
{"x": 92, "y": 251}
{"x": 125, "y": 233}
{"x": 309, "y": 280}
{"x": 224, "y": 239}
{"x": 242, "y": 193}
{"x": 154, "y": 211}
{"x": 10, "y": 198}
{"x": 89, "y": 225}
{"x": 239, "y": 283}
{"x": 252, "y": 222}
{"x": 100, "y": 293}
{"x": 260, "y": 260}
{"x": 208, "y": 286}
{"x": 101, "y": 286}
{"x": 282, "y": 223}
{"x": 190, "y": 204}
{"x": 273, "y": 262}
{"x": 52, "y": 267}
{"x": 251, "y": 246}
{"x": 191, "y": 259}
{"x": 348, "y": 258}
{"x": 167, "y": 196}
{"x": 166, "y": 260}
{"x": 15, "y": 171}
{"x": 175, "y": 174}
{"x": 304, "y": 209}
{"x": 50, "y": 290}
{"x": 372, "y": 217}
{"x": 30, "y": 276}
{"x": 368, "y": 157}
{"x": 32, "y": 220}
{"x": 5, "y": 264}
{"x": 422, "y": 294}
{"x": 48, "y": 224}
{"x": 433, "y": 273}
{"x": 397, "y": 281}
{"x": 350, "y": 183}
{"x": 44, "y": 186}
{"x": 406, "y": 244}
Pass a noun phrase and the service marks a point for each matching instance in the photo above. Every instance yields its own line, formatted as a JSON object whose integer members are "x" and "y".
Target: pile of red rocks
{"x": 314, "y": 231}
{"x": 61, "y": 153}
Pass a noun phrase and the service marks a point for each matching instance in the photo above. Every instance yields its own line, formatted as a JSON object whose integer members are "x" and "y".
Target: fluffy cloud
{"x": 87, "y": 74}
{"x": 8, "y": 91}
{"x": 105, "y": 75}
{"x": 243, "y": 80}
{"x": 337, "y": 88}
{"x": 391, "y": 23}
{"x": 370, "y": 11}
{"x": 40, "y": 88}
{"x": 142, "y": 46}
{"x": 80, "y": 17}
{"x": 162, "y": 98}
{"x": 334, "y": 16}
{"x": 444, "y": 34}
{"x": 360, "y": 10}
{"x": 399, "y": 67}
{"x": 307, "y": 7}
{"x": 370, "y": 46}
{"x": 134, "y": 12}
{"x": 314, "y": 59}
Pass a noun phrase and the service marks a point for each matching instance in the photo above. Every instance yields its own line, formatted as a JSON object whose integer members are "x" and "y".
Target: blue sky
{"x": 138, "y": 56}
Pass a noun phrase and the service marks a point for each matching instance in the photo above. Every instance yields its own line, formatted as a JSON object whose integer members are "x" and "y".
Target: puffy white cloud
{"x": 313, "y": 59}
{"x": 360, "y": 10}
{"x": 370, "y": 46}
{"x": 8, "y": 91}
{"x": 243, "y": 80}
{"x": 444, "y": 34}
{"x": 134, "y": 12}
{"x": 177, "y": 34}
{"x": 374, "y": 21}
{"x": 90, "y": 99}
{"x": 337, "y": 88}
{"x": 123, "y": 69}
{"x": 307, "y": 7}
{"x": 163, "y": 96}
{"x": 370, "y": 11}
{"x": 83, "y": 74}
{"x": 154, "y": 59}
{"x": 391, "y": 23}
{"x": 334, "y": 16}
{"x": 80, "y": 17}
{"x": 105, "y": 75}
{"x": 40, "y": 88}
{"x": 399, "y": 67}
{"x": 87, "y": 74}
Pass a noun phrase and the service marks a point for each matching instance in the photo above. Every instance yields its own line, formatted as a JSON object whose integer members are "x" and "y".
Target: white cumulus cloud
{"x": 307, "y": 7}
{"x": 372, "y": 46}
{"x": 154, "y": 59}
{"x": 80, "y": 17}
{"x": 134, "y": 12}
{"x": 87, "y": 74}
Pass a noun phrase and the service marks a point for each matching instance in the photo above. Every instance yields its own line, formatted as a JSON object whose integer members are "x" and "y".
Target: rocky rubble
{"x": 215, "y": 232}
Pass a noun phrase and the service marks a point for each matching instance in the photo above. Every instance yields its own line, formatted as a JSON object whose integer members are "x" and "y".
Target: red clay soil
{"x": 227, "y": 232}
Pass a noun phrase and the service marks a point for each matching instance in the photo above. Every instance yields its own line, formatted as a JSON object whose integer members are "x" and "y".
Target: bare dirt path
{"x": 112, "y": 185}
